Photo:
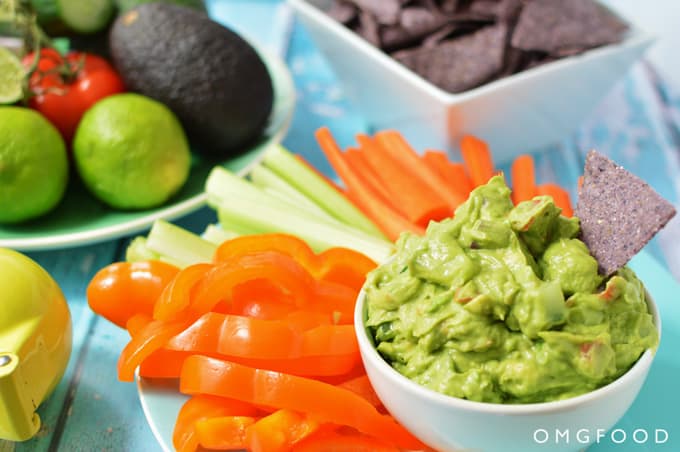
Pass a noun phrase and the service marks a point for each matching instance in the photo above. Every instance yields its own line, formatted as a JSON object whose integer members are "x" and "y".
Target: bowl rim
{"x": 634, "y": 37}
{"x": 369, "y": 352}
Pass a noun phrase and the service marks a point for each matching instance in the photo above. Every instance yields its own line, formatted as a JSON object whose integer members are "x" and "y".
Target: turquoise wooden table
{"x": 638, "y": 124}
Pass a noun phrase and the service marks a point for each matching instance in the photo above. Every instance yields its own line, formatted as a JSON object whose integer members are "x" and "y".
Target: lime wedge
{"x": 12, "y": 75}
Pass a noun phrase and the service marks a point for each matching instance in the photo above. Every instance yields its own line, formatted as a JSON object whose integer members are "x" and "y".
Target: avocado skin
{"x": 209, "y": 76}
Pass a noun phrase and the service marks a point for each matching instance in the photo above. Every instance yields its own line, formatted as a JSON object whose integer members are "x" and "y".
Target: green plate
{"x": 80, "y": 219}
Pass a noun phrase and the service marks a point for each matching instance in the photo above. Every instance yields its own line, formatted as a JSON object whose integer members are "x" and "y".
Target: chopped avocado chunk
{"x": 568, "y": 262}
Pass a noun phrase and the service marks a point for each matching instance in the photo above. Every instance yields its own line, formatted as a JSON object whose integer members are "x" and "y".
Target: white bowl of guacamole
{"x": 496, "y": 325}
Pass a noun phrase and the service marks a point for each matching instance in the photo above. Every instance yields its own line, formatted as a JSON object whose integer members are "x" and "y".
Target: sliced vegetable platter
{"x": 81, "y": 219}
{"x": 266, "y": 297}
{"x": 162, "y": 399}
{"x": 654, "y": 408}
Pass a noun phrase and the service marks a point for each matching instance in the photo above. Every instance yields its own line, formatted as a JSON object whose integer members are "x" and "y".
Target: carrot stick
{"x": 435, "y": 161}
{"x": 399, "y": 149}
{"x": 523, "y": 175}
{"x": 396, "y": 225}
{"x": 559, "y": 195}
{"x": 477, "y": 157}
{"x": 454, "y": 174}
{"x": 330, "y": 181}
{"x": 460, "y": 175}
{"x": 357, "y": 160}
{"x": 416, "y": 199}
{"x": 388, "y": 220}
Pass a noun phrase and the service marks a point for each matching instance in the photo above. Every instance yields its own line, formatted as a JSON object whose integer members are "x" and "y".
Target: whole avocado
{"x": 210, "y": 77}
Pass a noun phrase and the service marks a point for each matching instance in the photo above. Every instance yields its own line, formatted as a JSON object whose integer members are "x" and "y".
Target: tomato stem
{"x": 22, "y": 17}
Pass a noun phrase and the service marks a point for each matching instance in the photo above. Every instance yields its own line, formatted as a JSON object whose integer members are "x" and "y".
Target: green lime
{"x": 131, "y": 152}
{"x": 12, "y": 75}
{"x": 33, "y": 165}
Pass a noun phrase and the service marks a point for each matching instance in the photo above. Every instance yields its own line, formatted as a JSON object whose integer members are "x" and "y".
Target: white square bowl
{"x": 516, "y": 114}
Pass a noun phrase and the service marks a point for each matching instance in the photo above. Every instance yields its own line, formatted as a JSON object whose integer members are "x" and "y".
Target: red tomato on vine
{"x": 64, "y": 87}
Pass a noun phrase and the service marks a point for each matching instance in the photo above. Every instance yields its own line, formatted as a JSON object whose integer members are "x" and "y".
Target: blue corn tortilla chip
{"x": 501, "y": 10}
{"x": 343, "y": 12}
{"x": 420, "y": 20}
{"x": 449, "y": 6}
{"x": 368, "y": 28}
{"x": 429, "y": 36}
{"x": 415, "y": 23}
{"x": 619, "y": 212}
{"x": 565, "y": 27}
{"x": 386, "y": 12}
{"x": 459, "y": 64}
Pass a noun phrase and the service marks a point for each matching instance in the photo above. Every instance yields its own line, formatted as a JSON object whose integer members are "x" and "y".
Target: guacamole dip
{"x": 504, "y": 304}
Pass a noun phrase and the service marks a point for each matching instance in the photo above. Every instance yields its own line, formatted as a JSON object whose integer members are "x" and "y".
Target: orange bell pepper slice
{"x": 329, "y": 340}
{"x": 150, "y": 338}
{"x": 166, "y": 363}
{"x": 237, "y": 336}
{"x": 184, "y": 436}
{"x": 308, "y": 366}
{"x": 324, "y": 402}
{"x": 240, "y": 336}
{"x": 123, "y": 289}
{"x": 335, "y": 299}
{"x": 279, "y": 269}
{"x": 302, "y": 320}
{"x": 136, "y": 323}
{"x": 333, "y": 441}
{"x": 177, "y": 295}
{"x": 260, "y": 298}
{"x": 287, "y": 244}
{"x": 344, "y": 266}
{"x": 362, "y": 387}
{"x": 223, "y": 433}
{"x": 279, "y": 431}
{"x": 338, "y": 264}
{"x": 163, "y": 363}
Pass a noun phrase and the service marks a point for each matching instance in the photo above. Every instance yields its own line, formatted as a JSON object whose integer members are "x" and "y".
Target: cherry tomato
{"x": 64, "y": 87}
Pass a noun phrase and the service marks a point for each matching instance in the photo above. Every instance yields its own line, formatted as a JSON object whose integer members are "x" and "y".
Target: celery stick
{"x": 268, "y": 180}
{"x": 238, "y": 228}
{"x": 296, "y": 173}
{"x": 225, "y": 185}
{"x": 272, "y": 217}
{"x": 312, "y": 209}
{"x": 215, "y": 234}
{"x": 179, "y": 245}
{"x": 138, "y": 251}
{"x": 237, "y": 200}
